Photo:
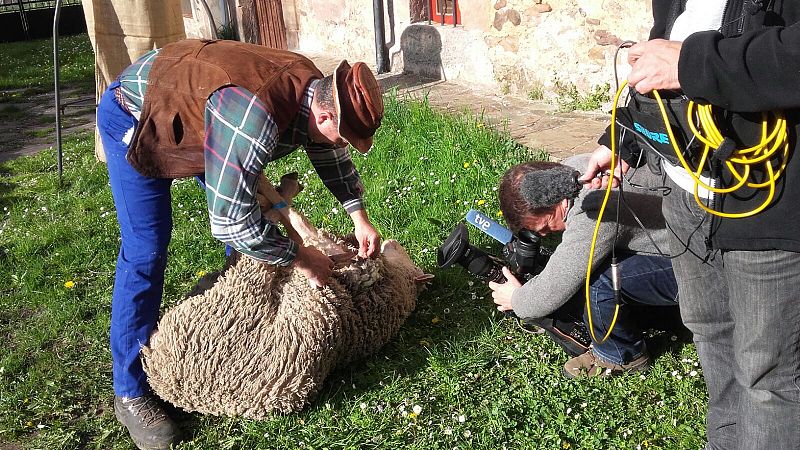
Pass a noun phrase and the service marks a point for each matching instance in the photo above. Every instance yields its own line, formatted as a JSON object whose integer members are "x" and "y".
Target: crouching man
{"x": 220, "y": 110}
{"x": 546, "y": 197}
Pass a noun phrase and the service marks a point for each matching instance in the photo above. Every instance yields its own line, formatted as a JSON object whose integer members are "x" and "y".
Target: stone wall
{"x": 527, "y": 47}
{"x": 534, "y": 44}
{"x": 343, "y": 27}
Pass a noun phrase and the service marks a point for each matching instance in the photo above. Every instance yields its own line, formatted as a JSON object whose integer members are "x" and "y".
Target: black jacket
{"x": 751, "y": 65}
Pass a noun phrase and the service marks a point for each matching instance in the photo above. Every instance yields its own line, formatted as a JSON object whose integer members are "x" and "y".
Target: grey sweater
{"x": 565, "y": 273}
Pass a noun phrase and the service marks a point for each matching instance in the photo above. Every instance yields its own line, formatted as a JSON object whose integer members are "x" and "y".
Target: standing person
{"x": 739, "y": 278}
{"x": 221, "y": 110}
{"x": 545, "y": 197}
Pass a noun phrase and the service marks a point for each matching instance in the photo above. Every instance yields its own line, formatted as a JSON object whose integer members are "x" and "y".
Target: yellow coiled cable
{"x": 740, "y": 163}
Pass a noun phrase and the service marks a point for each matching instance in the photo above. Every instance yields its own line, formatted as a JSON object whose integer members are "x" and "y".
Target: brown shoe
{"x": 149, "y": 426}
{"x": 589, "y": 365}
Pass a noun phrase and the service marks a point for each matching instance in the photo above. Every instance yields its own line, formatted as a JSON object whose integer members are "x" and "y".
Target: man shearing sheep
{"x": 221, "y": 110}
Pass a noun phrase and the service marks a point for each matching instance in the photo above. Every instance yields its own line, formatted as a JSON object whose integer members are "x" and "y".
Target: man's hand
{"x": 654, "y": 65}
{"x": 502, "y": 292}
{"x": 369, "y": 240}
{"x": 314, "y": 265}
{"x": 596, "y": 175}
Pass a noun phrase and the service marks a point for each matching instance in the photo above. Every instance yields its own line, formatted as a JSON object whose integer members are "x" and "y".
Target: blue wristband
{"x": 280, "y": 204}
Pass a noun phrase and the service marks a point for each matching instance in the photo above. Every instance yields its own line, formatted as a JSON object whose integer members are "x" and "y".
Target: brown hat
{"x": 359, "y": 104}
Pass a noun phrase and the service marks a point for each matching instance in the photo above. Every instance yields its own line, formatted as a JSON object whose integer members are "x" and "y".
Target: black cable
{"x": 623, "y": 44}
{"x": 647, "y": 232}
{"x": 664, "y": 189}
{"x": 616, "y": 283}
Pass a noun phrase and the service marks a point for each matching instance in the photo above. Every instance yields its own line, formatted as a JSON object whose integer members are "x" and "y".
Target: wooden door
{"x": 271, "y": 28}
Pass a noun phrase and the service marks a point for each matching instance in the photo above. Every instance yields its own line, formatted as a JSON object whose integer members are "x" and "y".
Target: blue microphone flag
{"x": 489, "y": 226}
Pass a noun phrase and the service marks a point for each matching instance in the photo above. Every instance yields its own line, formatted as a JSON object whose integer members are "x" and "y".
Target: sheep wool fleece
{"x": 262, "y": 340}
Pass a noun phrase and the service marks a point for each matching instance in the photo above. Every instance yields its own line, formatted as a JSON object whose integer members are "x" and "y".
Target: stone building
{"x": 534, "y": 48}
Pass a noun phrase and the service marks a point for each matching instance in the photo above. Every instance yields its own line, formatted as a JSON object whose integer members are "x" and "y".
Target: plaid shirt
{"x": 133, "y": 82}
{"x": 241, "y": 138}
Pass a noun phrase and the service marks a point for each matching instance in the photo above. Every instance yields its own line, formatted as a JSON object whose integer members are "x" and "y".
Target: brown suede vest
{"x": 168, "y": 142}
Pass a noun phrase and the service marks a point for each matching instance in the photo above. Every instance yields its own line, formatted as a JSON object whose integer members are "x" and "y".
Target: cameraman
{"x": 545, "y": 197}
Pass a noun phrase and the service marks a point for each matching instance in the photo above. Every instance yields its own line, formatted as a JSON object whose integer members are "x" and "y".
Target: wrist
{"x": 301, "y": 257}
{"x": 359, "y": 217}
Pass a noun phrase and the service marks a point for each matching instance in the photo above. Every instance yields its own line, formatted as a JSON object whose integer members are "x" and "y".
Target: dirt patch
{"x": 9, "y": 446}
{"x": 28, "y": 122}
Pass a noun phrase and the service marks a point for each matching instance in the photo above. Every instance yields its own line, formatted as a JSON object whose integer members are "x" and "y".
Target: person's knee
{"x": 767, "y": 371}
{"x": 147, "y": 240}
{"x": 706, "y": 321}
{"x": 600, "y": 287}
{"x": 146, "y": 257}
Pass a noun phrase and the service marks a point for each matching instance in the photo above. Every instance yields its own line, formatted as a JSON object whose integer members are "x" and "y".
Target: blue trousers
{"x": 645, "y": 280}
{"x": 743, "y": 308}
{"x": 144, "y": 213}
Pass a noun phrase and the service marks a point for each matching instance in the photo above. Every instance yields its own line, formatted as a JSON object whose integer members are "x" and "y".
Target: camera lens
{"x": 482, "y": 265}
{"x": 456, "y": 249}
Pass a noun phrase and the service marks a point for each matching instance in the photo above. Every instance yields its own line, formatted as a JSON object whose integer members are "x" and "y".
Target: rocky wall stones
{"x": 511, "y": 45}
{"x": 537, "y": 44}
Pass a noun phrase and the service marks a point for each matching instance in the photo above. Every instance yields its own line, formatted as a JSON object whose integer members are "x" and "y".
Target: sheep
{"x": 263, "y": 340}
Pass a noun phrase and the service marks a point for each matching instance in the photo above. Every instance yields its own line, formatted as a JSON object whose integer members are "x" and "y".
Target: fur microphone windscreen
{"x": 545, "y": 188}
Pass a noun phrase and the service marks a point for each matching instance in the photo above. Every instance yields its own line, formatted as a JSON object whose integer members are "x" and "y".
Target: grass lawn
{"x": 26, "y": 68}
{"x": 476, "y": 380}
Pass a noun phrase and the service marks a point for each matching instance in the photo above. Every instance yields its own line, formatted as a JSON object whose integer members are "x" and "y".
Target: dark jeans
{"x": 645, "y": 280}
{"x": 744, "y": 310}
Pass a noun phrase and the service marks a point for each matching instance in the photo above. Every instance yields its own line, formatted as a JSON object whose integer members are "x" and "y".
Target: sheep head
{"x": 396, "y": 255}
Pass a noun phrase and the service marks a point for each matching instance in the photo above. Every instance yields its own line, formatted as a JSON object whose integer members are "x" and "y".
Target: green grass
{"x": 570, "y": 99}
{"x": 480, "y": 381}
{"x": 26, "y": 68}
{"x": 536, "y": 92}
{"x": 40, "y": 133}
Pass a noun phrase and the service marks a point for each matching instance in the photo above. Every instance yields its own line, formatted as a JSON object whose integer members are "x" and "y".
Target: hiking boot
{"x": 571, "y": 336}
{"x": 149, "y": 426}
{"x": 589, "y": 365}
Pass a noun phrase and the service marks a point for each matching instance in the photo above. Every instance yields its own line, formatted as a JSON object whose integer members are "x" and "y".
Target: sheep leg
{"x": 288, "y": 189}
{"x": 340, "y": 255}
{"x": 303, "y": 229}
{"x": 296, "y": 224}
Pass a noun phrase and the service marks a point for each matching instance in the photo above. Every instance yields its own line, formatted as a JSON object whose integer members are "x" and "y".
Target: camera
{"x": 523, "y": 254}
{"x": 525, "y": 257}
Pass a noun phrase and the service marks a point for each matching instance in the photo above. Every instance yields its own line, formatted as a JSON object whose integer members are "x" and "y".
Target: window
{"x": 445, "y": 12}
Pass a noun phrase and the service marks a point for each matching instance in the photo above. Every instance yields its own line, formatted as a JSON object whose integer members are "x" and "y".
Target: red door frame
{"x": 448, "y": 18}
